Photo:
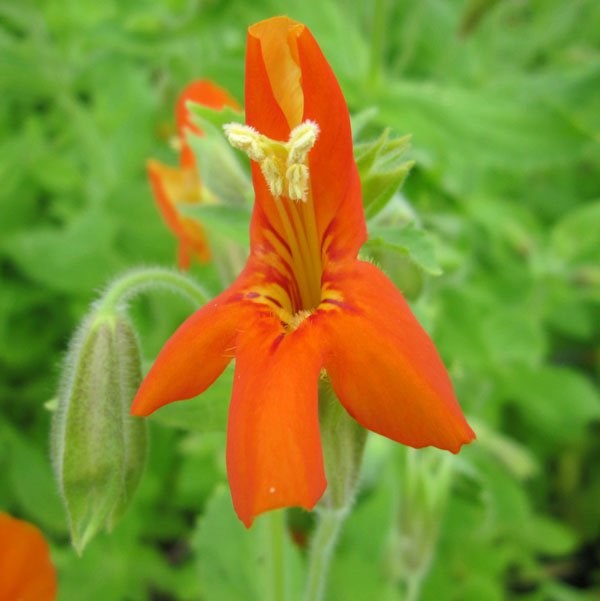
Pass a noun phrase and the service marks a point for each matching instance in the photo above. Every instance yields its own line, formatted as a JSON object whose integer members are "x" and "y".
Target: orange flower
{"x": 179, "y": 185}
{"x": 26, "y": 573}
{"x": 304, "y": 302}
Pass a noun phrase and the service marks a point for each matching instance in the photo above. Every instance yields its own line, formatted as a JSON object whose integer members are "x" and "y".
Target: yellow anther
{"x": 284, "y": 165}
{"x": 247, "y": 139}
{"x": 297, "y": 180}
{"x": 302, "y": 139}
{"x": 273, "y": 176}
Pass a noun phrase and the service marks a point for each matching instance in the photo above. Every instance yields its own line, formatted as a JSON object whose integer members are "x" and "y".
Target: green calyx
{"x": 343, "y": 442}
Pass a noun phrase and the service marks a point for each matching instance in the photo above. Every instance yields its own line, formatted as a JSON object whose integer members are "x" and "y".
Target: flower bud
{"x": 98, "y": 449}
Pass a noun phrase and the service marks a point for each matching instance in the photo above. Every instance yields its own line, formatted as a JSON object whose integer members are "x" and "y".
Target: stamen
{"x": 283, "y": 164}
{"x": 245, "y": 138}
{"x": 302, "y": 139}
{"x": 285, "y": 167}
{"x": 297, "y": 179}
{"x": 270, "y": 169}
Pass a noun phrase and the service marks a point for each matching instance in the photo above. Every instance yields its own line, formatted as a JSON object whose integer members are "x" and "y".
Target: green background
{"x": 503, "y": 103}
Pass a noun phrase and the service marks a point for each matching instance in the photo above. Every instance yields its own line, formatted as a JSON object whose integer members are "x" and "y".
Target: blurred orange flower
{"x": 26, "y": 572}
{"x": 173, "y": 186}
{"x": 304, "y": 302}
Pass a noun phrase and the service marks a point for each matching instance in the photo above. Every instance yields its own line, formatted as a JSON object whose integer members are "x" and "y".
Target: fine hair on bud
{"x": 98, "y": 449}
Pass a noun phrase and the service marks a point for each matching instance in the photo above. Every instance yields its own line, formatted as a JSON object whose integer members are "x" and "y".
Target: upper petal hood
{"x": 288, "y": 81}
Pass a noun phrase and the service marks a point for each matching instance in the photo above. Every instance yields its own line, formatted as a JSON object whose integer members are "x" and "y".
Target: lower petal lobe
{"x": 384, "y": 367}
{"x": 274, "y": 456}
{"x": 195, "y": 356}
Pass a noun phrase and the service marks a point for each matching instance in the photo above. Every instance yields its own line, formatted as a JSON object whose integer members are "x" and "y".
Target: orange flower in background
{"x": 26, "y": 572}
{"x": 304, "y": 302}
{"x": 173, "y": 186}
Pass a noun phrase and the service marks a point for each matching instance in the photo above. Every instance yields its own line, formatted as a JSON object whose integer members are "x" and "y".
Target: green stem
{"x": 413, "y": 587}
{"x": 276, "y": 550}
{"x": 325, "y": 538}
{"x": 136, "y": 281}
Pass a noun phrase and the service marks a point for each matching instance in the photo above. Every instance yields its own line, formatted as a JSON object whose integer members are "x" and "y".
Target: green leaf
{"x": 228, "y": 222}
{"x": 456, "y": 127}
{"x": 220, "y": 168}
{"x": 513, "y": 336}
{"x": 362, "y": 565}
{"x": 556, "y": 401}
{"x": 521, "y": 462}
{"x": 408, "y": 240}
{"x": 203, "y": 115}
{"x": 359, "y": 121}
{"x": 557, "y": 591}
{"x": 31, "y": 480}
{"x": 382, "y": 170}
{"x": 77, "y": 257}
{"x": 551, "y": 537}
{"x": 117, "y": 566}
{"x": 205, "y": 413}
{"x": 575, "y": 237}
{"x": 232, "y": 560}
{"x": 224, "y": 172}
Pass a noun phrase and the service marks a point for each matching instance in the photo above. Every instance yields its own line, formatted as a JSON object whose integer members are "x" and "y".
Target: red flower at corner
{"x": 304, "y": 302}
{"x": 26, "y": 572}
{"x": 174, "y": 186}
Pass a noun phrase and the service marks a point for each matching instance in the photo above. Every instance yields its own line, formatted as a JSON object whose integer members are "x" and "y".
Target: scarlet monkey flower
{"x": 173, "y": 186}
{"x": 304, "y": 303}
{"x": 26, "y": 572}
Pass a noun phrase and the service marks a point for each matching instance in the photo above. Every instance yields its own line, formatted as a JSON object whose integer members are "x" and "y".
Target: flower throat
{"x": 285, "y": 168}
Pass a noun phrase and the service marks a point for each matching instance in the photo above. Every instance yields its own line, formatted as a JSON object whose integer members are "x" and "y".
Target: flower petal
{"x": 333, "y": 173}
{"x": 207, "y": 94}
{"x": 170, "y": 186}
{"x": 202, "y": 92}
{"x": 384, "y": 367}
{"x": 277, "y": 52}
{"x": 26, "y": 571}
{"x": 196, "y": 355}
{"x": 274, "y": 456}
{"x": 266, "y": 116}
{"x": 288, "y": 80}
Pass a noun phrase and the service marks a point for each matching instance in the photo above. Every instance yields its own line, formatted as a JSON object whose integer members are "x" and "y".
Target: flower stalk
{"x": 343, "y": 447}
{"x": 322, "y": 547}
{"x": 424, "y": 480}
{"x": 276, "y": 559}
{"x": 137, "y": 281}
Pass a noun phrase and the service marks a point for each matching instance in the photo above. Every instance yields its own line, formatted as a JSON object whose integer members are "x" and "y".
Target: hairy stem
{"x": 136, "y": 281}
{"x": 324, "y": 541}
{"x": 276, "y": 551}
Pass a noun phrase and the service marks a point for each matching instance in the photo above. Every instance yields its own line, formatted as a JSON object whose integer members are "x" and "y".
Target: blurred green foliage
{"x": 502, "y": 101}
